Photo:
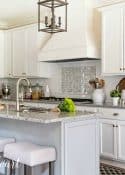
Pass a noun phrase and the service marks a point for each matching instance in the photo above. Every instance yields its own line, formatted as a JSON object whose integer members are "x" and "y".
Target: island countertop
{"x": 46, "y": 117}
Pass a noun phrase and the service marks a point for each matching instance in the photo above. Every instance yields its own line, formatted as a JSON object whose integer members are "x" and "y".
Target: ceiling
{"x": 17, "y": 12}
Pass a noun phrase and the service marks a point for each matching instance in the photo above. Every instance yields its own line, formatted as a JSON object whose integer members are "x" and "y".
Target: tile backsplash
{"x": 12, "y": 83}
{"x": 75, "y": 80}
{"x": 71, "y": 80}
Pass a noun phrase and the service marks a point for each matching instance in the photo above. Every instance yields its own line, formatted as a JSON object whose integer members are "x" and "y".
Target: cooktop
{"x": 58, "y": 99}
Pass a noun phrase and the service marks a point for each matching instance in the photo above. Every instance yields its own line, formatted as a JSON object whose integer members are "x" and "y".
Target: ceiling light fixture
{"x": 53, "y": 24}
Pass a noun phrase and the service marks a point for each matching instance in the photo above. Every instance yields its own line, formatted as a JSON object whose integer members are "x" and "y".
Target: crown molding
{"x": 109, "y": 2}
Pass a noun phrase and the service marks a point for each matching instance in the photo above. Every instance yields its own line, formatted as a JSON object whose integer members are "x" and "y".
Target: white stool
{"x": 3, "y": 142}
{"x": 30, "y": 154}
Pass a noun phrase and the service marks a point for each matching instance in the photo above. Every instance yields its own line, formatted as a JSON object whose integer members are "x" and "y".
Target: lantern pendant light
{"x": 53, "y": 22}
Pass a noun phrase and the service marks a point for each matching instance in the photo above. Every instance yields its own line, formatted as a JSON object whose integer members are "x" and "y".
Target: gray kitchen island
{"x": 74, "y": 135}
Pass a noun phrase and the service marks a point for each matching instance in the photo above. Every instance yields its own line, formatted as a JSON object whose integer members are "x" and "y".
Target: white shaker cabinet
{"x": 121, "y": 140}
{"x": 8, "y": 54}
{"x": 112, "y": 41}
{"x": 1, "y": 53}
{"x": 24, "y": 51}
{"x": 21, "y": 52}
{"x": 108, "y": 147}
{"x": 112, "y": 134}
{"x": 31, "y": 51}
{"x": 87, "y": 146}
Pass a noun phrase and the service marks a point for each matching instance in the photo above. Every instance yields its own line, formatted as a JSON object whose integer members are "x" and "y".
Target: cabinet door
{"x": 81, "y": 148}
{"x": 8, "y": 54}
{"x": 112, "y": 41}
{"x": 31, "y": 50}
{"x": 19, "y": 52}
{"x": 108, "y": 139}
{"x": 1, "y": 53}
{"x": 121, "y": 140}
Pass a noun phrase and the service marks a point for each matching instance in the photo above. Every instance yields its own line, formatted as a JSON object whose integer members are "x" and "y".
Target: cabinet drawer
{"x": 86, "y": 108}
{"x": 111, "y": 112}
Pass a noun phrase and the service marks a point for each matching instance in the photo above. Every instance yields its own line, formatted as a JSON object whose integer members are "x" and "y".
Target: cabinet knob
{"x": 115, "y": 126}
{"x": 121, "y": 68}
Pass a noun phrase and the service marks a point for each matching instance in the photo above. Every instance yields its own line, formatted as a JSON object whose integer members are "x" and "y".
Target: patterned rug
{"x": 111, "y": 170}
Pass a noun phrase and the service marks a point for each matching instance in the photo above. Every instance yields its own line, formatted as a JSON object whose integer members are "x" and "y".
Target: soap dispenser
{"x": 47, "y": 91}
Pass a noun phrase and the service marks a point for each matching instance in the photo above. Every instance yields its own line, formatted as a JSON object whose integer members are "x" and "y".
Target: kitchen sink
{"x": 33, "y": 109}
{"x": 24, "y": 108}
{"x": 40, "y": 110}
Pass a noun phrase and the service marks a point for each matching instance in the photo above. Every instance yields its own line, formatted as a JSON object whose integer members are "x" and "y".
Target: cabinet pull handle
{"x": 115, "y": 126}
{"x": 115, "y": 114}
{"x": 23, "y": 73}
{"x": 121, "y": 68}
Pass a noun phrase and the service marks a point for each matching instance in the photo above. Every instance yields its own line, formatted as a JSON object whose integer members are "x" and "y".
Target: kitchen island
{"x": 74, "y": 135}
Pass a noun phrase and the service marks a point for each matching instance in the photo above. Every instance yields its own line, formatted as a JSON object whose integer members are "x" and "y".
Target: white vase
{"x": 98, "y": 96}
{"x": 115, "y": 101}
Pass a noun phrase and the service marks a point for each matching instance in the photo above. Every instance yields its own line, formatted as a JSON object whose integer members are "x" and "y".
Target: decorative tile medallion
{"x": 75, "y": 80}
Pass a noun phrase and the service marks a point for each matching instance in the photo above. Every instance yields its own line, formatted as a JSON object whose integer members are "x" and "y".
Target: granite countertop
{"x": 105, "y": 105}
{"x": 46, "y": 117}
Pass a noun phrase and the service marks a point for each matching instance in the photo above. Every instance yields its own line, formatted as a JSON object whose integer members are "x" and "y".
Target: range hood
{"x": 81, "y": 41}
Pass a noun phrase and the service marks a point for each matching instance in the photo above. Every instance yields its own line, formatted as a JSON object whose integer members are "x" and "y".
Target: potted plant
{"x": 115, "y": 94}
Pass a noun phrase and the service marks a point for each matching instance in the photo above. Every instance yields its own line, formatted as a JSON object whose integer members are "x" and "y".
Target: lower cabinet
{"x": 81, "y": 146}
{"x": 121, "y": 140}
{"x": 112, "y": 138}
{"x": 108, "y": 139}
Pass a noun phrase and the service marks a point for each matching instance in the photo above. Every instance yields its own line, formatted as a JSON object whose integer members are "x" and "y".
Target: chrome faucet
{"x": 17, "y": 91}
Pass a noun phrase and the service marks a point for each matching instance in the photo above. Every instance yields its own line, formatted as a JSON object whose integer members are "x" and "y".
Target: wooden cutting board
{"x": 121, "y": 84}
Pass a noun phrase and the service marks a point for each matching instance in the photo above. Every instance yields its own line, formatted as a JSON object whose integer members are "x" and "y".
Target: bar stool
{"x": 3, "y": 142}
{"x": 30, "y": 155}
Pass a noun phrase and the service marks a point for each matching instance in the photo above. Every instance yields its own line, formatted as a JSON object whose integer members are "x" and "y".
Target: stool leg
{"x": 51, "y": 168}
{"x": 14, "y": 167}
{"x": 25, "y": 170}
{"x": 11, "y": 167}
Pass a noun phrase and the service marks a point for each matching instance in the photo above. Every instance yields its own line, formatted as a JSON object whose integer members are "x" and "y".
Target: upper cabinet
{"x": 21, "y": 52}
{"x": 113, "y": 40}
{"x": 82, "y": 39}
{"x": 1, "y": 53}
{"x": 24, "y": 51}
{"x": 7, "y": 54}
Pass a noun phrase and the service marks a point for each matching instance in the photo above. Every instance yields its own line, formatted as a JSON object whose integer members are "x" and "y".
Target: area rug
{"x": 110, "y": 170}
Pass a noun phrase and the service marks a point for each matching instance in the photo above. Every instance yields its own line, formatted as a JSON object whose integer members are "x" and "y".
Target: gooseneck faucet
{"x": 17, "y": 91}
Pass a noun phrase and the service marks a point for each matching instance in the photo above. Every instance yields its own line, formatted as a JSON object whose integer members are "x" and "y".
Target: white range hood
{"x": 82, "y": 40}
